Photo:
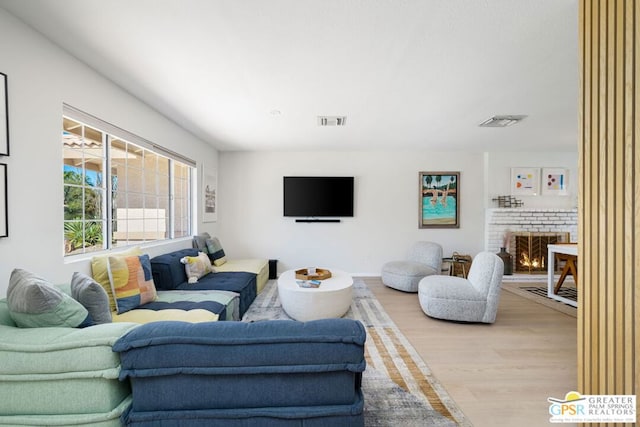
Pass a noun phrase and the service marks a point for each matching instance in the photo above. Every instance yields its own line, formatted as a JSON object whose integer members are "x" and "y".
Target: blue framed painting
{"x": 439, "y": 196}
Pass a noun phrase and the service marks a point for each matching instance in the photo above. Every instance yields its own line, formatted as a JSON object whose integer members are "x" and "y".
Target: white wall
{"x": 499, "y": 176}
{"x": 41, "y": 77}
{"x": 386, "y": 208}
{"x": 386, "y": 204}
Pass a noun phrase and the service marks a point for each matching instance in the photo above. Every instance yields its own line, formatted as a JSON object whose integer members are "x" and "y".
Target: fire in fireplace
{"x": 531, "y": 250}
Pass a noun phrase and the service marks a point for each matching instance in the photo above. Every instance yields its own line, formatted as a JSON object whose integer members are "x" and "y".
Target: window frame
{"x": 110, "y": 134}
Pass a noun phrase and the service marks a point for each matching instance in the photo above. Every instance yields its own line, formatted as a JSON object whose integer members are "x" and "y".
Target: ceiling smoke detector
{"x": 502, "y": 121}
{"x": 332, "y": 120}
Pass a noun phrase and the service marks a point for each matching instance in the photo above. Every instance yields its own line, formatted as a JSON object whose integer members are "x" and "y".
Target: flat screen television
{"x": 318, "y": 196}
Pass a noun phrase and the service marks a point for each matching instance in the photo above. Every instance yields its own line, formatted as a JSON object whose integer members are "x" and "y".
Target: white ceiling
{"x": 408, "y": 74}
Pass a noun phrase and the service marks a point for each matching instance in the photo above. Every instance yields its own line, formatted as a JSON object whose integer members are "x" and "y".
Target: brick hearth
{"x": 501, "y": 220}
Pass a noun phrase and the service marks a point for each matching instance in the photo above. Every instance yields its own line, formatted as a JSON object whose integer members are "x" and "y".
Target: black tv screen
{"x": 312, "y": 196}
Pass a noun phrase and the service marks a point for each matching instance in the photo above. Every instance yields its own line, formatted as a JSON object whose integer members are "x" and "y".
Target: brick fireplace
{"x": 547, "y": 225}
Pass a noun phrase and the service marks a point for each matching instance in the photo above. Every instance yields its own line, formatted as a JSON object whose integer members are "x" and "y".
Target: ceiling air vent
{"x": 332, "y": 120}
{"x": 502, "y": 121}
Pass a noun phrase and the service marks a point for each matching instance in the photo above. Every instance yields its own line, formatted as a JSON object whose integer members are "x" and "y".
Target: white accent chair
{"x": 474, "y": 299}
{"x": 425, "y": 259}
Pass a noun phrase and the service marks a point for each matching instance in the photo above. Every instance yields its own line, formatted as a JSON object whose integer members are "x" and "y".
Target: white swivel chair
{"x": 425, "y": 258}
{"x": 474, "y": 299}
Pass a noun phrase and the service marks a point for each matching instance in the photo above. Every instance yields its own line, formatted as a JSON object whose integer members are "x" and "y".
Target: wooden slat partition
{"x": 609, "y": 202}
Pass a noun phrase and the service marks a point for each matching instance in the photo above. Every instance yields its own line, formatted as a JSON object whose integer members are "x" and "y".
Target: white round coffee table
{"x": 331, "y": 299}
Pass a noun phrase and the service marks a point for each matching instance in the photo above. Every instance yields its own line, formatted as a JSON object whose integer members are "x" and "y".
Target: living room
{"x": 250, "y": 181}
{"x": 42, "y": 77}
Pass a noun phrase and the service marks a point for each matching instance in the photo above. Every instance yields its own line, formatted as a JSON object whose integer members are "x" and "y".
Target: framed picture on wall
{"x": 525, "y": 181}
{"x": 439, "y": 200}
{"x": 4, "y": 219}
{"x": 4, "y": 116}
{"x": 555, "y": 181}
{"x": 209, "y": 194}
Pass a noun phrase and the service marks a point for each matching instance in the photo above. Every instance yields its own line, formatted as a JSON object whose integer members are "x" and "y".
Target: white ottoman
{"x": 332, "y": 299}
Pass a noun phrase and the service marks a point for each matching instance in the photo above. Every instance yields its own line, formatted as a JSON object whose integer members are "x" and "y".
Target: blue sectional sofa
{"x": 169, "y": 275}
{"x": 277, "y": 373}
{"x": 272, "y": 373}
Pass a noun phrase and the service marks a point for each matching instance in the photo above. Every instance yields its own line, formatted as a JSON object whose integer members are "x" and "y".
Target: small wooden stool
{"x": 570, "y": 267}
{"x": 458, "y": 264}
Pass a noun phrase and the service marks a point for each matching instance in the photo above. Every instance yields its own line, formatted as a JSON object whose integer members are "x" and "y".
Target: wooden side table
{"x": 456, "y": 261}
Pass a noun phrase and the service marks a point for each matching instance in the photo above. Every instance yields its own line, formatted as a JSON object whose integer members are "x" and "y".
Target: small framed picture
{"x": 4, "y": 116}
{"x": 439, "y": 195}
{"x": 210, "y": 196}
{"x": 4, "y": 221}
{"x": 525, "y": 181}
{"x": 555, "y": 181}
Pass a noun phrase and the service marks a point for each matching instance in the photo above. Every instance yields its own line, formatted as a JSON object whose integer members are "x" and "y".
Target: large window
{"x": 119, "y": 189}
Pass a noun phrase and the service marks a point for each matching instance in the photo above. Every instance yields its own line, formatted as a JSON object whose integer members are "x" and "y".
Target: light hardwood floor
{"x": 500, "y": 375}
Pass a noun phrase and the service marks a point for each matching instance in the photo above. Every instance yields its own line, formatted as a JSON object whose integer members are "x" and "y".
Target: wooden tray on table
{"x": 320, "y": 274}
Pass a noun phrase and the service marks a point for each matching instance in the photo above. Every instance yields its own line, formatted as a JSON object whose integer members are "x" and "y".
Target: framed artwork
{"x": 4, "y": 116}
{"x": 209, "y": 195}
{"x": 555, "y": 181}
{"x": 525, "y": 181}
{"x": 439, "y": 200}
{"x": 4, "y": 219}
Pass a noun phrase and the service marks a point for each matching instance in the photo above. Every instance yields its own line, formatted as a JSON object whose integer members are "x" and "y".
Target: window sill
{"x": 71, "y": 259}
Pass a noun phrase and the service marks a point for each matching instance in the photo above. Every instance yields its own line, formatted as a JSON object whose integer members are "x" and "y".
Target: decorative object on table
{"x": 4, "y": 116}
{"x": 508, "y": 202}
{"x": 504, "y": 254}
{"x": 313, "y": 273}
{"x": 309, "y": 283}
{"x": 425, "y": 258}
{"x": 439, "y": 201}
{"x": 525, "y": 181}
{"x": 555, "y": 181}
{"x": 209, "y": 195}
{"x": 4, "y": 218}
{"x": 465, "y": 300}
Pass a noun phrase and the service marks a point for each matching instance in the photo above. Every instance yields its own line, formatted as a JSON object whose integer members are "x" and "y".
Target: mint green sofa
{"x": 61, "y": 376}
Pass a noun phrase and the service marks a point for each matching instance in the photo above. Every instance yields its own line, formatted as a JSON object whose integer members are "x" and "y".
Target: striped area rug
{"x": 567, "y": 292}
{"x": 399, "y": 388}
{"x": 538, "y": 294}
